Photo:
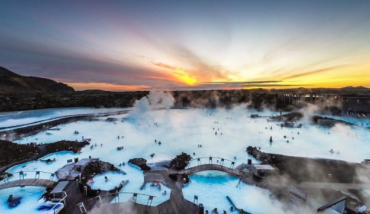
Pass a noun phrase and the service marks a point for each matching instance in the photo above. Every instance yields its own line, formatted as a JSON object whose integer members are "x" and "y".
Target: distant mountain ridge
{"x": 11, "y": 82}
{"x": 355, "y": 88}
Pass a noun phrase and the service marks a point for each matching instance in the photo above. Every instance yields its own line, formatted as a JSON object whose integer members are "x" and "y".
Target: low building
{"x": 356, "y": 104}
{"x": 337, "y": 206}
{"x": 327, "y": 122}
{"x": 72, "y": 170}
{"x": 262, "y": 171}
{"x": 366, "y": 161}
{"x": 254, "y": 116}
{"x": 80, "y": 165}
{"x": 290, "y": 125}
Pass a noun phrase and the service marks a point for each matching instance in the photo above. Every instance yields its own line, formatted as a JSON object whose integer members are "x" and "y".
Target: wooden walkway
{"x": 28, "y": 182}
{"x": 207, "y": 167}
{"x": 74, "y": 197}
{"x": 177, "y": 204}
{"x": 333, "y": 186}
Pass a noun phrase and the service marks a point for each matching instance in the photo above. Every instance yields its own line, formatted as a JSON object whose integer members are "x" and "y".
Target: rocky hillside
{"x": 11, "y": 82}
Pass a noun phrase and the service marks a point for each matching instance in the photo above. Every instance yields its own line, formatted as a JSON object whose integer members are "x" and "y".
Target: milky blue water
{"x": 30, "y": 168}
{"x": 29, "y": 202}
{"x": 16, "y": 118}
{"x": 212, "y": 187}
{"x": 182, "y": 131}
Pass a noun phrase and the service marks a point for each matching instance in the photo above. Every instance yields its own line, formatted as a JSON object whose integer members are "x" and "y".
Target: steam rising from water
{"x": 183, "y": 130}
{"x": 155, "y": 100}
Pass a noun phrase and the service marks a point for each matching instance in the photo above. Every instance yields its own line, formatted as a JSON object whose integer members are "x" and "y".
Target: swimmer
{"x": 106, "y": 179}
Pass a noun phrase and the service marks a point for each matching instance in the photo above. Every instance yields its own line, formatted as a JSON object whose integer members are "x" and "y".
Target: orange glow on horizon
{"x": 182, "y": 76}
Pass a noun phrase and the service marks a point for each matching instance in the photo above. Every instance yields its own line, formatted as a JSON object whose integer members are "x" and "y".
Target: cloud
{"x": 162, "y": 65}
{"x": 229, "y": 85}
{"x": 313, "y": 72}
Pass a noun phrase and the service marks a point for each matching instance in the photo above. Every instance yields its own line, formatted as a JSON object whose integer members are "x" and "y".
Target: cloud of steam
{"x": 122, "y": 208}
{"x": 309, "y": 111}
{"x": 161, "y": 99}
{"x": 155, "y": 100}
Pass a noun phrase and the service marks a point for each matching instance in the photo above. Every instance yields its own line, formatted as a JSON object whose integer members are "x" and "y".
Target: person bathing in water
{"x": 13, "y": 201}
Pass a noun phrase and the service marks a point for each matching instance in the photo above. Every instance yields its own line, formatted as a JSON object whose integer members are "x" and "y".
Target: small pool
{"x": 212, "y": 187}
{"x": 143, "y": 196}
{"x": 30, "y": 168}
{"x": 114, "y": 180}
{"x": 136, "y": 179}
{"x": 29, "y": 202}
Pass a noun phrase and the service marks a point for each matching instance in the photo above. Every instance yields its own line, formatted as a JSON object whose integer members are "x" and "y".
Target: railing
{"x": 29, "y": 175}
{"x": 62, "y": 200}
{"x": 212, "y": 160}
{"x": 116, "y": 199}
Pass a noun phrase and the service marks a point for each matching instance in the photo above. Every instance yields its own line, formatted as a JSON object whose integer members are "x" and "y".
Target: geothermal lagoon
{"x": 220, "y": 132}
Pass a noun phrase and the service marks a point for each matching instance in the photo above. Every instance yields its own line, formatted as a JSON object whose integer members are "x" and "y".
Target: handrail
{"x": 63, "y": 199}
{"x": 35, "y": 171}
{"x": 22, "y": 175}
{"x": 213, "y": 157}
{"x": 82, "y": 207}
{"x": 117, "y": 193}
{"x": 210, "y": 159}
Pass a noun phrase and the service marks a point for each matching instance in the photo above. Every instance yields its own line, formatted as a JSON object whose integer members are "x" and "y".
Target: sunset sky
{"x": 180, "y": 45}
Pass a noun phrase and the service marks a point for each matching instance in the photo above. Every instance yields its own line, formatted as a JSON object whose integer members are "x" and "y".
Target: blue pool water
{"x": 114, "y": 180}
{"x": 29, "y": 202}
{"x": 212, "y": 187}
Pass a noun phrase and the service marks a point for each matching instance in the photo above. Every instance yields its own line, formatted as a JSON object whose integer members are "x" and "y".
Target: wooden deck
{"x": 333, "y": 186}
{"x": 28, "y": 182}
{"x": 74, "y": 197}
{"x": 177, "y": 204}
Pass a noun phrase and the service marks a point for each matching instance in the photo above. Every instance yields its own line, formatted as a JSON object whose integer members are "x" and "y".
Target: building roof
{"x": 60, "y": 187}
{"x": 264, "y": 167}
{"x": 328, "y": 211}
{"x": 83, "y": 162}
